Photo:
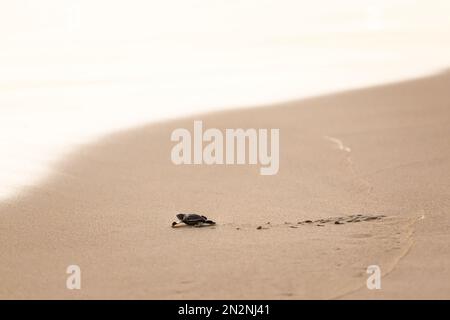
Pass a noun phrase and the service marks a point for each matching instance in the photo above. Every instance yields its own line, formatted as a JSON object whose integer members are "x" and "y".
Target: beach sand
{"x": 381, "y": 151}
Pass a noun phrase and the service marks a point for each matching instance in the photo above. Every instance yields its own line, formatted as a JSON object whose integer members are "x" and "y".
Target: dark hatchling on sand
{"x": 192, "y": 219}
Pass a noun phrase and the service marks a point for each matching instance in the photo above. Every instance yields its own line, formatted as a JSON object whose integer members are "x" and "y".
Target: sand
{"x": 381, "y": 152}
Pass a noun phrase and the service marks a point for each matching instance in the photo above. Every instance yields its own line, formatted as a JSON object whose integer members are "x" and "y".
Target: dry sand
{"x": 108, "y": 208}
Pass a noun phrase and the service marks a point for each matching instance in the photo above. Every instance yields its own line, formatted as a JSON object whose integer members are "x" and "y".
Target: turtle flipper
{"x": 175, "y": 224}
{"x": 209, "y": 222}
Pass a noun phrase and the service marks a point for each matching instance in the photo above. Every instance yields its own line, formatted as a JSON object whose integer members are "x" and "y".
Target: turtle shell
{"x": 191, "y": 218}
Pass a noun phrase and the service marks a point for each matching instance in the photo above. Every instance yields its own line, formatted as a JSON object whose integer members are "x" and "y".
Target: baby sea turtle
{"x": 192, "y": 219}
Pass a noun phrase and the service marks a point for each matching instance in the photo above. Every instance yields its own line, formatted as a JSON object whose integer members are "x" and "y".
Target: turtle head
{"x": 180, "y": 216}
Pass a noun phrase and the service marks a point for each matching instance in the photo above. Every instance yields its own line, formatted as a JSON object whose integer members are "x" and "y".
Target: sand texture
{"x": 381, "y": 153}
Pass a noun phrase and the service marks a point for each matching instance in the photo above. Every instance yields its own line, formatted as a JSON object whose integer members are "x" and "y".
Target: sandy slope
{"x": 378, "y": 151}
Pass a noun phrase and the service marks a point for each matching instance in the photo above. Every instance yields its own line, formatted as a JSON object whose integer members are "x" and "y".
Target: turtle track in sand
{"x": 339, "y": 220}
{"x": 354, "y": 218}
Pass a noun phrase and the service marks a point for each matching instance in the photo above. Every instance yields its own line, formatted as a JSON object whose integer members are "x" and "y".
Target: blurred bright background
{"x": 72, "y": 71}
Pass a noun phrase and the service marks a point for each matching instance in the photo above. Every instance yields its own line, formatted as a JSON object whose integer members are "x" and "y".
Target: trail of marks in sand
{"x": 354, "y": 218}
{"x": 339, "y": 144}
